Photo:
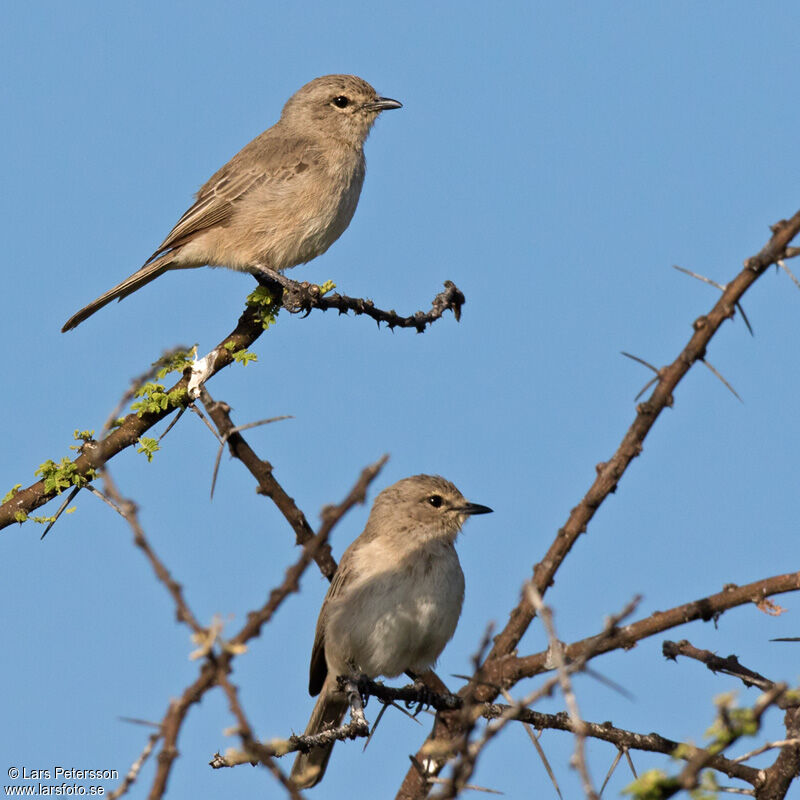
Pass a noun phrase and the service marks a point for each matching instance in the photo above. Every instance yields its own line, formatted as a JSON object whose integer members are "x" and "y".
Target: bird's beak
{"x": 382, "y": 104}
{"x": 475, "y": 508}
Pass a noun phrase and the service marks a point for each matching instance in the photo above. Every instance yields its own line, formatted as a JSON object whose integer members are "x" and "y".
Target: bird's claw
{"x": 425, "y": 698}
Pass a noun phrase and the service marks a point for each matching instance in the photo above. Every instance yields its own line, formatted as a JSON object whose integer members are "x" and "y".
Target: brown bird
{"x": 283, "y": 199}
{"x": 394, "y": 601}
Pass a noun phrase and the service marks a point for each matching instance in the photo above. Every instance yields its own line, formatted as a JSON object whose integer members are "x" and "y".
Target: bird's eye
{"x": 435, "y": 500}
{"x": 341, "y": 101}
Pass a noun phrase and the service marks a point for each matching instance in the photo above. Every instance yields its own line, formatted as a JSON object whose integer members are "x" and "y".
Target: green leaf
{"x": 155, "y": 399}
{"x": 14, "y": 489}
{"x": 63, "y": 475}
{"x": 266, "y": 305}
{"x": 147, "y": 446}
{"x": 652, "y": 785}
{"x": 176, "y": 361}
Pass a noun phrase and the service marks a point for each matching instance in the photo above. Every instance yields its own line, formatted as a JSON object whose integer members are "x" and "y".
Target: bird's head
{"x": 341, "y": 106}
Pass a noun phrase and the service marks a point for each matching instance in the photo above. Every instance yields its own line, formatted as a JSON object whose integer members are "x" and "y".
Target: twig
{"x": 539, "y": 749}
{"x": 303, "y": 297}
{"x": 468, "y": 754}
{"x": 721, "y": 288}
{"x": 610, "y": 473}
{"x": 688, "y": 777}
{"x": 128, "y": 509}
{"x": 557, "y": 652}
{"x": 708, "y": 608}
{"x": 330, "y": 517}
{"x": 133, "y": 772}
{"x": 247, "y": 330}
{"x": 136, "y": 383}
{"x": 620, "y": 738}
{"x": 727, "y": 666}
{"x": 763, "y": 749}
{"x": 262, "y": 471}
{"x": 214, "y": 662}
{"x": 248, "y": 740}
{"x": 238, "y": 429}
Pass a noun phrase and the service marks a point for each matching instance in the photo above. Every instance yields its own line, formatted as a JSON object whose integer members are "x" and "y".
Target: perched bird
{"x": 393, "y": 603}
{"x": 283, "y": 199}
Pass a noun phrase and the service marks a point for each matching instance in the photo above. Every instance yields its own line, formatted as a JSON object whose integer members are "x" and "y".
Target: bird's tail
{"x": 147, "y": 273}
{"x": 309, "y": 768}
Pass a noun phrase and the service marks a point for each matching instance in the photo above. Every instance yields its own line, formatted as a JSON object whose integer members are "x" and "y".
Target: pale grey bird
{"x": 394, "y": 601}
{"x": 283, "y": 199}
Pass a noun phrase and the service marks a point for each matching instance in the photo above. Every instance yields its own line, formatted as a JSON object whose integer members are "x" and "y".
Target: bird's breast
{"x": 295, "y": 219}
{"x": 398, "y": 616}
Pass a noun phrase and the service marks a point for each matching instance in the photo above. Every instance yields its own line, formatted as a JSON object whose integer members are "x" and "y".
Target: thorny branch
{"x": 557, "y": 654}
{"x": 262, "y": 471}
{"x": 605, "y": 731}
{"x": 501, "y": 668}
{"x": 727, "y": 666}
{"x": 609, "y": 473}
{"x": 512, "y": 669}
{"x": 688, "y": 777}
{"x": 249, "y": 327}
{"x": 303, "y": 297}
{"x": 129, "y": 511}
{"x": 217, "y": 661}
{"x": 246, "y": 735}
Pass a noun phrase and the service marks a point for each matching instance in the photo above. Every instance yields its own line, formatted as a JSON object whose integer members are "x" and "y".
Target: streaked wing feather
{"x": 318, "y": 670}
{"x": 214, "y": 206}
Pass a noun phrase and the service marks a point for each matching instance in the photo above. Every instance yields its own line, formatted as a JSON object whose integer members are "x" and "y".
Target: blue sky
{"x": 554, "y": 160}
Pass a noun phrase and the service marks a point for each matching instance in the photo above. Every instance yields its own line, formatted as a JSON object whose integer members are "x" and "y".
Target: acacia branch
{"x": 330, "y": 516}
{"x": 605, "y": 731}
{"x": 609, "y": 474}
{"x": 510, "y": 670}
{"x": 727, "y": 666}
{"x": 246, "y": 735}
{"x": 700, "y": 759}
{"x": 129, "y": 511}
{"x": 218, "y": 661}
{"x": 786, "y": 767}
{"x": 262, "y": 471}
{"x": 247, "y": 330}
{"x": 303, "y": 297}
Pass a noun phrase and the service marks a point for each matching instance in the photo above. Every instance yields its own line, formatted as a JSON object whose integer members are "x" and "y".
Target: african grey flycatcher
{"x": 393, "y": 603}
{"x": 283, "y": 199}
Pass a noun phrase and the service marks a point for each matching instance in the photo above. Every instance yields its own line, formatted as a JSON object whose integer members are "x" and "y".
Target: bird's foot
{"x": 425, "y": 697}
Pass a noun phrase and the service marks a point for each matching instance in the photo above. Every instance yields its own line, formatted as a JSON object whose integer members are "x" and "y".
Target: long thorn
{"x": 60, "y": 511}
{"x": 106, "y": 500}
{"x": 744, "y": 317}
{"x": 782, "y": 264}
{"x": 723, "y": 380}
{"x": 611, "y": 770}
{"x": 172, "y": 424}
{"x": 700, "y": 277}
{"x": 645, "y": 388}
{"x": 640, "y": 361}
{"x": 630, "y": 763}
{"x": 202, "y": 416}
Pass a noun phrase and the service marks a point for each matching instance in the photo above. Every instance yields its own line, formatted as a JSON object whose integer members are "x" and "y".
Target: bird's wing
{"x": 214, "y": 205}
{"x": 318, "y": 669}
{"x": 261, "y": 162}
